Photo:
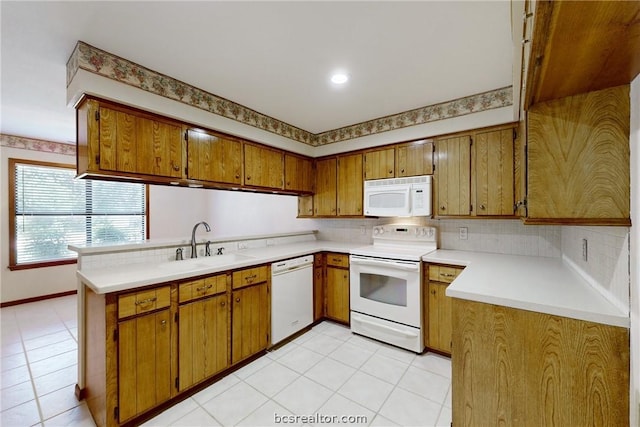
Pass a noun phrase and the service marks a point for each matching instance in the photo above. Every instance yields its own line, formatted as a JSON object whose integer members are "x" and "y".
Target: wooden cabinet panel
{"x": 196, "y": 289}
{"x": 350, "y": 185}
{"x": 439, "y": 309}
{"x": 203, "y": 341}
{"x": 325, "y": 198}
{"x": 414, "y": 159}
{"x": 144, "y": 360}
{"x": 250, "y": 276}
{"x": 494, "y": 172}
{"x": 213, "y": 158}
{"x": 337, "y": 294}
{"x": 453, "y": 176}
{"x": 263, "y": 167}
{"x": 136, "y": 144}
{"x": 521, "y": 368}
{"x": 578, "y": 159}
{"x": 318, "y": 287}
{"x": 298, "y": 173}
{"x": 379, "y": 164}
{"x": 250, "y": 321}
{"x": 337, "y": 260}
{"x": 305, "y": 206}
{"x": 143, "y": 301}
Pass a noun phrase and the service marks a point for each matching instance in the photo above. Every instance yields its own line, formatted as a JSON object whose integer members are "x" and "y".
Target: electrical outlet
{"x": 242, "y": 245}
{"x": 462, "y": 233}
{"x": 585, "y": 250}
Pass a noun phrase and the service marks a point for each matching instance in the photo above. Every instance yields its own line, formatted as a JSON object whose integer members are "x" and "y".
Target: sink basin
{"x": 194, "y": 264}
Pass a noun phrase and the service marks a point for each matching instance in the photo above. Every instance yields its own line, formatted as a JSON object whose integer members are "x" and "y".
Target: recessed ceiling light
{"x": 339, "y": 78}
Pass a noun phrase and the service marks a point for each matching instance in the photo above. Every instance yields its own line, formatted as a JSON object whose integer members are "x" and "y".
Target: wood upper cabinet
{"x": 453, "y": 176}
{"x": 132, "y": 142}
{"x": 337, "y": 287}
{"x": 578, "y": 159}
{"x": 493, "y": 179}
{"x": 213, "y": 158}
{"x": 325, "y": 198}
{"x": 263, "y": 167}
{"x": 414, "y": 158}
{"x": 350, "y": 185}
{"x": 379, "y": 164}
{"x": 204, "y": 328}
{"x": 305, "y": 206}
{"x": 144, "y": 362}
{"x": 298, "y": 173}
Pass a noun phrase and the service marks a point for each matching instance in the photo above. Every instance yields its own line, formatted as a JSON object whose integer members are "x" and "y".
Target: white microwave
{"x": 409, "y": 196}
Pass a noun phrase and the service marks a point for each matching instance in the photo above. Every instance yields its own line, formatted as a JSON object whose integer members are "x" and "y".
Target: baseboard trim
{"x": 35, "y": 299}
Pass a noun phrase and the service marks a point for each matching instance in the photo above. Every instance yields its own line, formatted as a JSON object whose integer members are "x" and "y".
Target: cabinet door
{"x": 203, "y": 339}
{"x": 453, "y": 176}
{"x": 250, "y": 321}
{"x": 263, "y": 167}
{"x": 130, "y": 143}
{"x": 144, "y": 363}
{"x": 318, "y": 288}
{"x": 325, "y": 198}
{"x": 298, "y": 173}
{"x": 414, "y": 159}
{"x": 439, "y": 317}
{"x": 379, "y": 164}
{"x": 212, "y": 158}
{"x": 337, "y": 294}
{"x": 494, "y": 166}
{"x": 305, "y": 206}
{"x": 350, "y": 185}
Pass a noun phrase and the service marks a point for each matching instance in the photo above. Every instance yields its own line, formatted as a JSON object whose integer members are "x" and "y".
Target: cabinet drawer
{"x": 250, "y": 276}
{"x": 338, "y": 260}
{"x": 440, "y": 273}
{"x": 143, "y": 301}
{"x": 201, "y": 288}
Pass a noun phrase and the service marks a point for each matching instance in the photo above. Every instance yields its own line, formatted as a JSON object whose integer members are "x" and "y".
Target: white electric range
{"x": 385, "y": 285}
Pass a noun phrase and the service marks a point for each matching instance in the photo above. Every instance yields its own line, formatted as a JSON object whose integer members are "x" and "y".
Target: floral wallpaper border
{"x": 12, "y": 141}
{"x": 103, "y": 63}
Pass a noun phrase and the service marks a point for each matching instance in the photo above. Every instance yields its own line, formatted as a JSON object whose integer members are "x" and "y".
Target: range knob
{"x": 376, "y": 230}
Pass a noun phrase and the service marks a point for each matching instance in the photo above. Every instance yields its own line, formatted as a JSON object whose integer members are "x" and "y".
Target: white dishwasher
{"x": 291, "y": 297}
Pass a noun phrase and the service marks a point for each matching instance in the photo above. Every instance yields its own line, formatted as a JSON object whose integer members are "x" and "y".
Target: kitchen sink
{"x": 202, "y": 263}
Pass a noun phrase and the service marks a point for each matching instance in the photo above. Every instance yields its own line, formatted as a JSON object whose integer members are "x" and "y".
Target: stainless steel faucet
{"x": 194, "y": 253}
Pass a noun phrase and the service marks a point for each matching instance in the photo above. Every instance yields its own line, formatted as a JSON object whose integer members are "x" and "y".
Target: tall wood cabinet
{"x": 493, "y": 178}
{"x": 453, "y": 176}
{"x": 213, "y": 158}
{"x": 325, "y": 198}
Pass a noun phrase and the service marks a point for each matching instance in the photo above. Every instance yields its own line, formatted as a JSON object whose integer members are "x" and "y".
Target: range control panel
{"x": 407, "y": 233}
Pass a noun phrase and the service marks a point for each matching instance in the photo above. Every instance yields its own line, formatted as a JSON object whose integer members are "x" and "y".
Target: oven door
{"x": 386, "y": 288}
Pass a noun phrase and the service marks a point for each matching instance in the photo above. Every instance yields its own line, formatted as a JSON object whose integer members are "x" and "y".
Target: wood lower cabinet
{"x": 337, "y": 287}
{"x": 211, "y": 157}
{"x": 522, "y": 368}
{"x": 318, "y": 287}
{"x": 437, "y": 306}
{"x": 250, "y": 321}
{"x": 144, "y": 363}
{"x": 203, "y": 339}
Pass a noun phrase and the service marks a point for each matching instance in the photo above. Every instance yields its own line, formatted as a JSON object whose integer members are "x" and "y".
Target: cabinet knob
{"x": 223, "y": 303}
{"x": 163, "y": 322}
{"x": 402, "y": 170}
{"x": 237, "y": 176}
{"x": 433, "y": 292}
{"x": 390, "y": 172}
{"x": 442, "y": 207}
{"x": 248, "y": 178}
{"x": 482, "y": 207}
{"x": 176, "y": 167}
{"x": 237, "y": 299}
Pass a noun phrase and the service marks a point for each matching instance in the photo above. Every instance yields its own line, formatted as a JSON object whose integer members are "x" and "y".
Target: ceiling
{"x": 273, "y": 57}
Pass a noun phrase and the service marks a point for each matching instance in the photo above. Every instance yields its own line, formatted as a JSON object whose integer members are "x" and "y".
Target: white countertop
{"x": 545, "y": 285}
{"x": 124, "y": 277}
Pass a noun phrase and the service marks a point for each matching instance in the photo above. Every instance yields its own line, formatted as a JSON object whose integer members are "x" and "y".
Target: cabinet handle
{"x": 402, "y": 170}
{"x": 223, "y": 303}
{"x": 163, "y": 323}
{"x": 237, "y": 299}
{"x": 336, "y": 259}
{"x": 250, "y": 278}
{"x": 146, "y": 301}
{"x": 176, "y": 167}
{"x": 447, "y": 275}
{"x": 204, "y": 288}
{"x": 248, "y": 178}
{"x": 433, "y": 292}
{"x": 442, "y": 207}
{"x": 390, "y": 171}
{"x": 482, "y": 207}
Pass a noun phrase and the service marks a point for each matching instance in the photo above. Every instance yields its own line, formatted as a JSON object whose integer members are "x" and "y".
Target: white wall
{"x": 22, "y": 284}
{"x": 174, "y": 212}
{"x": 634, "y": 238}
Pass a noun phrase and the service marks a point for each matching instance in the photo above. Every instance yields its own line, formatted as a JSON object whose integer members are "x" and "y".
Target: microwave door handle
{"x": 392, "y": 264}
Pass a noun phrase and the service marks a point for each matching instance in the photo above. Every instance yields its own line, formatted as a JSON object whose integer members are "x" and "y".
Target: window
{"x": 49, "y": 209}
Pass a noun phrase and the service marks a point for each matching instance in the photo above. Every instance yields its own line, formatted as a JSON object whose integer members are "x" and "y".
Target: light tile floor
{"x": 327, "y": 371}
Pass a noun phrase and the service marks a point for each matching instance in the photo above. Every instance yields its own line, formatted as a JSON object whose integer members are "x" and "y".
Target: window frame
{"x": 13, "y": 254}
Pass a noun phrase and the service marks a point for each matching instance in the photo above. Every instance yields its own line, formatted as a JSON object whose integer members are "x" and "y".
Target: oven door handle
{"x": 389, "y": 328}
{"x": 391, "y": 264}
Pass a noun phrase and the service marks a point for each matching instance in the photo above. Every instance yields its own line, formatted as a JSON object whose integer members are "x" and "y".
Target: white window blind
{"x": 53, "y": 210}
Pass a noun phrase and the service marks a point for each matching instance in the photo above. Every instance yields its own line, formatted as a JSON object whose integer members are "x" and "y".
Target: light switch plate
{"x": 585, "y": 250}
